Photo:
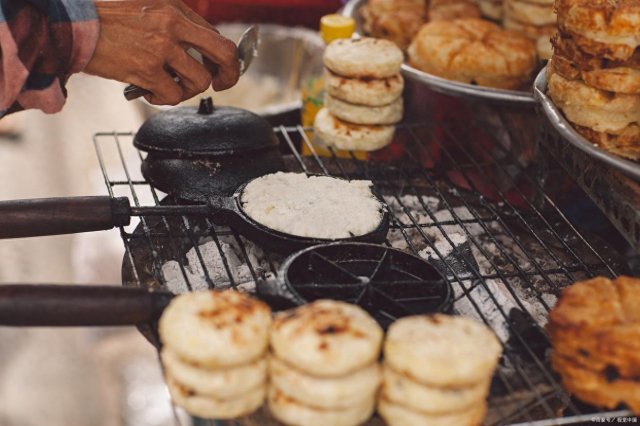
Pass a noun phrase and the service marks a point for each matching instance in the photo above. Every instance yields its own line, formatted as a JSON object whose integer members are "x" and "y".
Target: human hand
{"x": 144, "y": 41}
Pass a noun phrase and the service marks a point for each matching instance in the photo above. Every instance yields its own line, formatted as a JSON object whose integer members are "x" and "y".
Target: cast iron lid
{"x": 206, "y": 130}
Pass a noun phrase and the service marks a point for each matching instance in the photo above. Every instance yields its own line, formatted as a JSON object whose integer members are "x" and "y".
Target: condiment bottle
{"x": 332, "y": 27}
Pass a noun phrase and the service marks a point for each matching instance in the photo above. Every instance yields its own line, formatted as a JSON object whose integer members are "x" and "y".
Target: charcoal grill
{"x": 520, "y": 250}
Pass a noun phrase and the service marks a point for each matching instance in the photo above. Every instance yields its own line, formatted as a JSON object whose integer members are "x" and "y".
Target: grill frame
{"x": 551, "y": 222}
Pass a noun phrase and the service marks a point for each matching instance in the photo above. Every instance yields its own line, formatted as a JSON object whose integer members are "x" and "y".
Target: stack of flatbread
{"x": 323, "y": 369}
{"x": 363, "y": 99}
{"x": 437, "y": 370}
{"x": 534, "y": 18}
{"x": 595, "y": 333}
{"x": 594, "y": 75}
{"x": 214, "y": 353}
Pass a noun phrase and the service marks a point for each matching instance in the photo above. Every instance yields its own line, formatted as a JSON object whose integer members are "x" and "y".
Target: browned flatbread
{"x": 531, "y": 13}
{"x": 474, "y": 51}
{"x": 588, "y": 305}
{"x": 625, "y": 144}
{"x": 604, "y": 28}
{"x": 613, "y": 350}
{"x": 629, "y": 293}
{"x": 394, "y": 20}
{"x": 602, "y": 111}
{"x": 596, "y": 326}
{"x": 453, "y": 9}
{"x": 615, "y": 76}
{"x": 531, "y": 31}
{"x": 596, "y": 388}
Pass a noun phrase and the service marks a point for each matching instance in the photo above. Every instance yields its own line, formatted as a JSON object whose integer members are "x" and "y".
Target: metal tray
{"x": 568, "y": 133}
{"x": 449, "y": 87}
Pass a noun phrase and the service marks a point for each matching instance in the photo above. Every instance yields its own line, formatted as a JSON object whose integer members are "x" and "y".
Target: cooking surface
{"x": 502, "y": 243}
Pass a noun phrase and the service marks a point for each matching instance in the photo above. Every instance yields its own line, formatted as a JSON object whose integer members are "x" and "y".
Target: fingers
{"x": 164, "y": 90}
{"x": 220, "y": 50}
{"x": 194, "y": 77}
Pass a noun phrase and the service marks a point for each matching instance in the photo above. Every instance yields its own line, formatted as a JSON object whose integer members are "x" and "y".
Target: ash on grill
{"x": 192, "y": 274}
{"x": 506, "y": 255}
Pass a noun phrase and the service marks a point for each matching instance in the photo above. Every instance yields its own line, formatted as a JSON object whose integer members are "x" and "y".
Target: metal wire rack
{"x": 493, "y": 225}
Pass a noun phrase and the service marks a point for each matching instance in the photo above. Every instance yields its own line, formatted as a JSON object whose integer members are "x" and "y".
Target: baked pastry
{"x": 615, "y": 76}
{"x": 324, "y": 365}
{"x": 528, "y": 12}
{"x": 531, "y": 31}
{"x": 398, "y": 415}
{"x": 394, "y": 20}
{"x": 363, "y": 58}
{"x": 596, "y": 109}
{"x": 291, "y": 412}
{"x": 364, "y": 91}
{"x": 544, "y": 47}
{"x": 492, "y": 9}
{"x": 625, "y": 142}
{"x": 534, "y": 18}
{"x": 213, "y": 408}
{"x": 326, "y": 338}
{"x": 540, "y": 34}
{"x": 339, "y": 134}
{"x": 403, "y": 390}
{"x": 448, "y": 10}
{"x": 361, "y": 114}
{"x": 409, "y": 350}
{"x": 325, "y": 392}
{"x": 614, "y": 351}
{"x": 222, "y": 384}
{"x": 474, "y": 51}
{"x": 605, "y": 28}
{"x": 595, "y": 334}
{"x": 216, "y": 328}
{"x": 597, "y": 388}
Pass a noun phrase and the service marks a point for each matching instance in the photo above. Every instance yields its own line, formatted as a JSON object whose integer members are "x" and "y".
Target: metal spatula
{"x": 247, "y": 48}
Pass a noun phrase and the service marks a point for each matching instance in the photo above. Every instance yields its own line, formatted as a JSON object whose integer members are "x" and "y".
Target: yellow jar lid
{"x": 334, "y": 26}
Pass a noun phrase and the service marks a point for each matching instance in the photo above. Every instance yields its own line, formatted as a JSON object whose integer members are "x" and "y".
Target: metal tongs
{"x": 247, "y": 48}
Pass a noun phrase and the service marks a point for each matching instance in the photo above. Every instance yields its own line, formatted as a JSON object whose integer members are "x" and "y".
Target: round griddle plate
{"x": 386, "y": 282}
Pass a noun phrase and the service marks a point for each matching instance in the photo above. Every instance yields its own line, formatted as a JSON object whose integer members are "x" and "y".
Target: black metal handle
{"x": 78, "y": 305}
{"x": 132, "y": 92}
{"x": 55, "y": 216}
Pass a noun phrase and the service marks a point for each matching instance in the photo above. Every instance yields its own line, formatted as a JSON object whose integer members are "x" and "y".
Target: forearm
{"x": 42, "y": 44}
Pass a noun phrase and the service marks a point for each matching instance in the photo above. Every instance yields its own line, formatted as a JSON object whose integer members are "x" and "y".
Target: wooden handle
{"x": 78, "y": 305}
{"x": 55, "y": 216}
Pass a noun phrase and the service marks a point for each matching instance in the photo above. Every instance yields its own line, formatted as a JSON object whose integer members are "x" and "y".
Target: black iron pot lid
{"x": 205, "y": 131}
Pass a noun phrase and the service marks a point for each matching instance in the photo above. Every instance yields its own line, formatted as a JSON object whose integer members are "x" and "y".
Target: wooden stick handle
{"x": 55, "y": 216}
{"x": 78, "y": 305}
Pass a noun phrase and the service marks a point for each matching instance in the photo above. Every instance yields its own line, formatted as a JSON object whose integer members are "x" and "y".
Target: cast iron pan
{"x": 386, "y": 282}
{"x": 229, "y": 211}
{"x": 29, "y": 218}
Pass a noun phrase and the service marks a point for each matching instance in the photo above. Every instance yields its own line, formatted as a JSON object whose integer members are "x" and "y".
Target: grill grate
{"x": 493, "y": 226}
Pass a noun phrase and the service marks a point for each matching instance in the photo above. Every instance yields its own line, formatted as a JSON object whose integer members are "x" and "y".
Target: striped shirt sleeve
{"x": 43, "y": 42}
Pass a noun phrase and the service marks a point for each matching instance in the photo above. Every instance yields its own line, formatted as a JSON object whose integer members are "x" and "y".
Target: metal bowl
{"x": 569, "y": 134}
{"x": 271, "y": 85}
{"x": 449, "y": 87}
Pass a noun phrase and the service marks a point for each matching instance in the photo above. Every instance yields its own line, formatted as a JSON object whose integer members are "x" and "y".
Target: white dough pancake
{"x": 326, "y": 338}
{"x": 216, "y": 328}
